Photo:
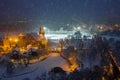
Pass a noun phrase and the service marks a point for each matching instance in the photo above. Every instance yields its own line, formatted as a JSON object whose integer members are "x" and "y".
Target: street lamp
{"x": 44, "y": 28}
{"x": 10, "y": 39}
{"x": 16, "y": 40}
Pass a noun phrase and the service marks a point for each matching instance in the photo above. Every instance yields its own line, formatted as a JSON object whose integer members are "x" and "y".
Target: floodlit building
{"x": 6, "y": 43}
{"x": 43, "y": 41}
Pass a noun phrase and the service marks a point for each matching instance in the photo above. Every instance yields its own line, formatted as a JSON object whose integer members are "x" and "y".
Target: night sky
{"x": 54, "y": 13}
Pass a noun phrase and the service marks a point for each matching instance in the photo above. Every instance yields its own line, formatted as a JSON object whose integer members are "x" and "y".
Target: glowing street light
{"x": 16, "y": 40}
{"x": 78, "y": 28}
{"x": 44, "y": 28}
{"x": 10, "y": 39}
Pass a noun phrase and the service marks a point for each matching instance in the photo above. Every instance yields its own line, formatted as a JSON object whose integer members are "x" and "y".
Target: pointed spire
{"x": 21, "y": 34}
{"x": 41, "y": 31}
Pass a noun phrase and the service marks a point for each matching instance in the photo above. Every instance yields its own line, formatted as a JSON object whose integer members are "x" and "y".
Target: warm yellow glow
{"x": 12, "y": 60}
{"x": 73, "y": 67}
{"x": 36, "y": 60}
{"x": 22, "y": 50}
{"x": 10, "y": 39}
{"x": 75, "y": 48}
{"x": 103, "y": 78}
{"x": 59, "y": 49}
{"x": 16, "y": 40}
{"x": 35, "y": 48}
{"x": 110, "y": 70}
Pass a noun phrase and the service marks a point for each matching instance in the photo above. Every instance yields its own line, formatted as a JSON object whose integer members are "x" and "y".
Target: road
{"x": 54, "y": 60}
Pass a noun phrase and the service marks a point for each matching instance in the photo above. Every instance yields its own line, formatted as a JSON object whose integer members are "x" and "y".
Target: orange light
{"x": 10, "y": 39}
{"x": 73, "y": 67}
{"x": 16, "y": 40}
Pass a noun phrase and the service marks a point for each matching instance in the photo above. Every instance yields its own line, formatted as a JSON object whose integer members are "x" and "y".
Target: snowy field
{"x": 36, "y": 69}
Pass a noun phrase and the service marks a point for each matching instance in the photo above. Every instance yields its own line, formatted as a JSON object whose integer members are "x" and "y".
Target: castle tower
{"x": 21, "y": 42}
{"x": 7, "y": 43}
{"x": 20, "y": 35}
{"x": 42, "y": 33}
{"x": 43, "y": 41}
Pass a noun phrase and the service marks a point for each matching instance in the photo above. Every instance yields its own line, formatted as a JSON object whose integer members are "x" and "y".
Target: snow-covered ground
{"x": 36, "y": 69}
